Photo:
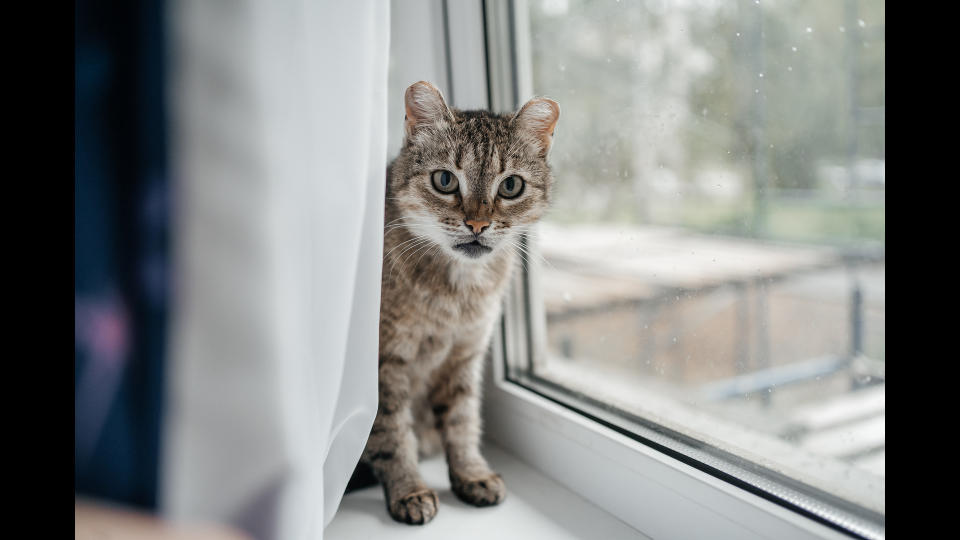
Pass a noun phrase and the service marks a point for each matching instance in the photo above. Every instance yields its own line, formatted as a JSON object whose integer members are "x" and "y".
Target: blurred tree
{"x": 704, "y": 113}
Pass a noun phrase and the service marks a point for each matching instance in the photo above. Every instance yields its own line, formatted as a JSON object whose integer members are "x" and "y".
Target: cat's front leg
{"x": 391, "y": 449}
{"x": 455, "y": 399}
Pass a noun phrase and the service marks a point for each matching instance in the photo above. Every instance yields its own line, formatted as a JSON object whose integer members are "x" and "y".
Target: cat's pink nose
{"x": 476, "y": 225}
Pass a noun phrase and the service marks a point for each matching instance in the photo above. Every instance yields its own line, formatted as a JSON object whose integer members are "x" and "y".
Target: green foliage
{"x": 665, "y": 101}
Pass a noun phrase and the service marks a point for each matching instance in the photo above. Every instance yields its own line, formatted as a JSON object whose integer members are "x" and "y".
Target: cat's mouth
{"x": 473, "y": 249}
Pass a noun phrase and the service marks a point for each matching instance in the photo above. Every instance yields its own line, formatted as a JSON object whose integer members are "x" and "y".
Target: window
{"x": 710, "y": 282}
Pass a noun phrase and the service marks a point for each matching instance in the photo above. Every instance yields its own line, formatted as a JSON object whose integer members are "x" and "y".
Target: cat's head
{"x": 471, "y": 181}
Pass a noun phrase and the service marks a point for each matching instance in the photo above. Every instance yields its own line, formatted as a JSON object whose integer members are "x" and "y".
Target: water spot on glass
{"x": 809, "y": 29}
{"x": 608, "y": 59}
{"x": 842, "y": 29}
{"x": 562, "y": 67}
{"x": 760, "y": 75}
{"x": 674, "y": 339}
{"x": 789, "y": 68}
{"x": 756, "y": 90}
{"x": 738, "y": 34}
{"x": 794, "y": 49}
{"x": 861, "y": 23}
{"x": 567, "y": 297}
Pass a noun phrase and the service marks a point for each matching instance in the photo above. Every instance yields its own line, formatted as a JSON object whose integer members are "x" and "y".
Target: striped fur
{"x": 438, "y": 304}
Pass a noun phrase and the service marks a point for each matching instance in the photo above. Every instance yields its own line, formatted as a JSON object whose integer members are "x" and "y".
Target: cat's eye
{"x": 444, "y": 181}
{"x": 511, "y": 187}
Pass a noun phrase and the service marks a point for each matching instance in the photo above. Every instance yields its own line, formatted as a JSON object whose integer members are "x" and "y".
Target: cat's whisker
{"x": 397, "y": 264}
{"x": 401, "y": 218}
{"x": 420, "y": 241}
{"x": 519, "y": 251}
{"x": 542, "y": 258}
{"x": 526, "y": 250}
{"x": 411, "y": 253}
{"x": 401, "y": 244}
{"x": 395, "y": 227}
{"x": 436, "y": 246}
{"x": 537, "y": 252}
{"x": 427, "y": 247}
{"x": 430, "y": 251}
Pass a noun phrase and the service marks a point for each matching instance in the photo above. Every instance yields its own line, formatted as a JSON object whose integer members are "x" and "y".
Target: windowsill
{"x": 645, "y": 398}
{"x": 535, "y": 507}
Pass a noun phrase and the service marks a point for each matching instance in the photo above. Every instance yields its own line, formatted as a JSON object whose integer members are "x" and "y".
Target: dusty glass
{"x": 714, "y": 257}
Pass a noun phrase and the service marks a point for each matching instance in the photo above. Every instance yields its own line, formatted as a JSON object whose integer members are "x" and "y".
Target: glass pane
{"x": 714, "y": 258}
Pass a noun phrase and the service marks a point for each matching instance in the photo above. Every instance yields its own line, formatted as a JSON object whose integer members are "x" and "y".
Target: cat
{"x": 463, "y": 188}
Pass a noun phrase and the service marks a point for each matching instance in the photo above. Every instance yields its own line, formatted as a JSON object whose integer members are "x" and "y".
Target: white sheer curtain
{"x": 278, "y": 144}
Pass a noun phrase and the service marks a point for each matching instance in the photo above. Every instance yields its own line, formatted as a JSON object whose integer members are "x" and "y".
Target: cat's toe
{"x": 486, "y": 491}
{"x": 416, "y": 508}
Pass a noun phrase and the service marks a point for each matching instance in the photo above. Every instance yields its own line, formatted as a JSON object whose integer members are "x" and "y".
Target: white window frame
{"x": 656, "y": 494}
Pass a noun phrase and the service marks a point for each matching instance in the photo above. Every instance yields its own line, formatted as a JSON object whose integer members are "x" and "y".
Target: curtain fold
{"x": 278, "y": 151}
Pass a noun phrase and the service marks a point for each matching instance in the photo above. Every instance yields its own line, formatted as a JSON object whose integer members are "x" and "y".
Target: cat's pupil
{"x": 445, "y": 179}
{"x": 509, "y": 184}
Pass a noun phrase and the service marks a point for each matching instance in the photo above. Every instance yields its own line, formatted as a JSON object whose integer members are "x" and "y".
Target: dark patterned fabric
{"x": 121, "y": 280}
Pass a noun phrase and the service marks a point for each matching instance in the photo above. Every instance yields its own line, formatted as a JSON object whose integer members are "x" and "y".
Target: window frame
{"x": 488, "y": 66}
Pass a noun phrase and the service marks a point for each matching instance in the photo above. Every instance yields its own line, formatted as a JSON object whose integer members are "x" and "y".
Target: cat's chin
{"x": 474, "y": 249}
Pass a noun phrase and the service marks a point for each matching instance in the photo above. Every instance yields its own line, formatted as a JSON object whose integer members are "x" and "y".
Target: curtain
{"x": 278, "y": 158}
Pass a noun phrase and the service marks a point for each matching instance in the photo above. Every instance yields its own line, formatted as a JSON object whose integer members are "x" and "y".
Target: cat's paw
{"x": 485, "y": 491}
{"x": 415, "y": 508}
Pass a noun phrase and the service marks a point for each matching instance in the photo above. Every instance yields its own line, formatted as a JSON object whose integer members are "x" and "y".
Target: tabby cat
{"x": 462, "y": 189}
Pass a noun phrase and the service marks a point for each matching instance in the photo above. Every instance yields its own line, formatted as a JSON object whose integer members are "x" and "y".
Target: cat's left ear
{"x": 538, "y": 117}
{"x": 424, "y": 105}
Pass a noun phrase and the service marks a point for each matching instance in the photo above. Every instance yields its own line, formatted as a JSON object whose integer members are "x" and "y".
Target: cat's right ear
{"x": 539, "y": 117}
{"x": 424, "y": 106}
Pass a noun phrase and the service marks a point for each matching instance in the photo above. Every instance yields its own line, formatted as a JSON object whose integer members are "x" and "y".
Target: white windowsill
{"x": 535, "y": 507}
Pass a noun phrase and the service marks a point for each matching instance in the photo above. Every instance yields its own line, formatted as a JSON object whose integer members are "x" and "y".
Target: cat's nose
{"x": 476, "y": 226}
